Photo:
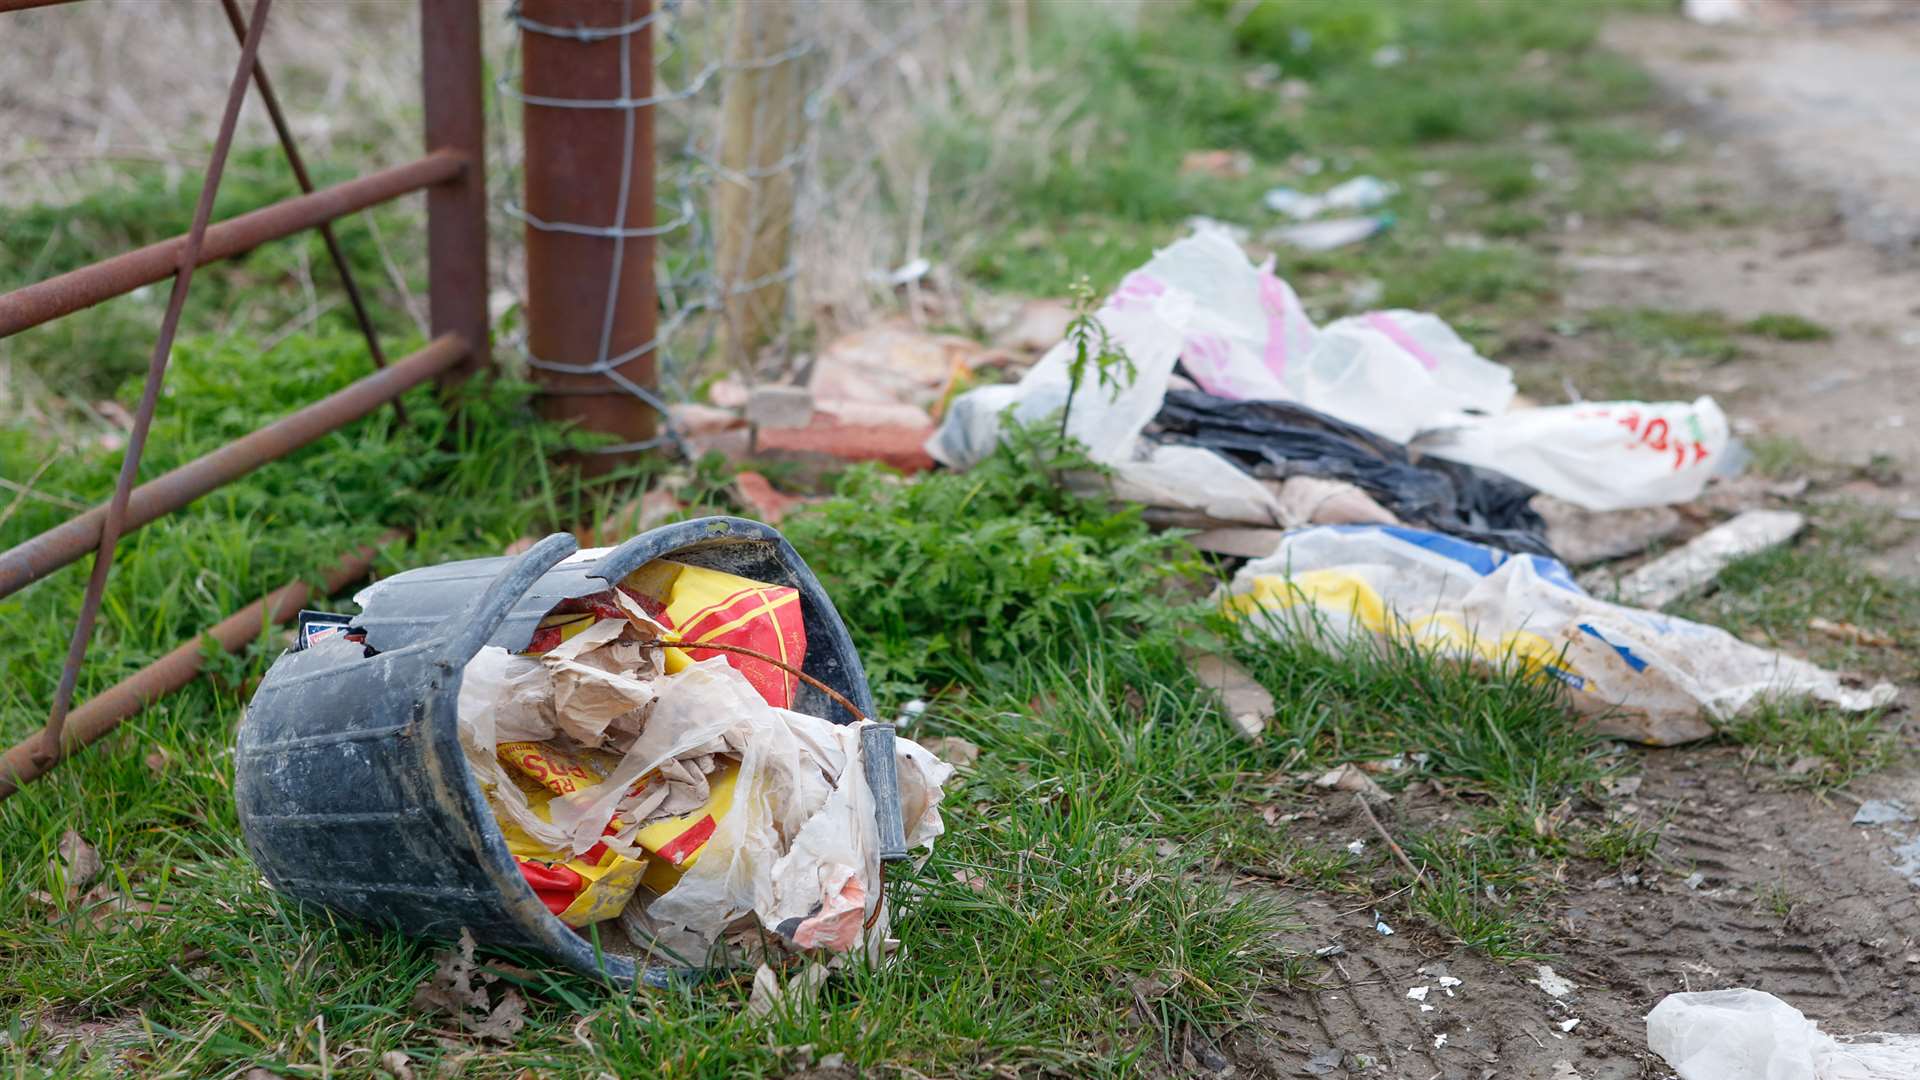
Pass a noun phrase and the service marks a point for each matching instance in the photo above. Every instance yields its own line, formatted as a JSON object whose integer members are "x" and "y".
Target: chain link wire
{"x": 692, "y": 68}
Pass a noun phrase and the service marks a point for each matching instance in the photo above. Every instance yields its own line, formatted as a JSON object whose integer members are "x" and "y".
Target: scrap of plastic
{"x": 1395, "y": 372}
{"x": 1613, "y": 455}
{"x": 1279, "y": 439}
{"x": 1359, "y": 193}
{"x": 1329, "y": 234}
{"x": 1700, "y": 560}
{"x": 1639, "y": 674}
{"x": 1744, "y": 1034}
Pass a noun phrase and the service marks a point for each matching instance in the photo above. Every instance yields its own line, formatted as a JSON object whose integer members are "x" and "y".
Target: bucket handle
{"x": 476, "y": 624}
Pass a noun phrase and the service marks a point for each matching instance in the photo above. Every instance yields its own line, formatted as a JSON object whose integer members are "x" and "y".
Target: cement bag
{"x": 1613, "y": 455}
{"x": 1750, "y": 1035}
{"x": 1640, "y": 675}
{"x": 1395, "y": 372}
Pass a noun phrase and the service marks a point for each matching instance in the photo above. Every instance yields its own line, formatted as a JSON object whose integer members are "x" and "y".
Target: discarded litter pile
{"x": 670, "y": 786}
{"x": 639, "y": 760}
{"x": 1751, "y": 1035}
{"x": 1641, "y": 675}
{"x": 1390, "y": 419}
{"x": 1239, "y": 333}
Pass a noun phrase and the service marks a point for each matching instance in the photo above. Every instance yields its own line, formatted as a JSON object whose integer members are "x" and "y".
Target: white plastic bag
{"x": 1640, "y": 674}
{"x": 1395, "y": 372}
{"x": 1613, "y": 455}
{"x": 1747, "y": 1034}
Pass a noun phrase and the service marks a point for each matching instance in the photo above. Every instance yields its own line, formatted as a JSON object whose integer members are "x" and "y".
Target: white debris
{"x": 1740, "y": 1033}
{"x": 1557, "y": 986}
{"x": 1380, "y": 926}
{"x": 1440, "y": 1040}
{"x": 1570, "y": 1023}
{"x": 1447, "y": 983}
{"x": 1419, "y": 993}
{"x": 1700, "y": 560}
{"x": 1358, "y": 847}
{"x": 1694, "y": 881}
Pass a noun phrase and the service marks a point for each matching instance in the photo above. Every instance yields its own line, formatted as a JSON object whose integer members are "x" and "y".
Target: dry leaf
{"x": 1848, "y": 632}
{"x": 80, "y": 864}
{"x": 1349, "y": 778}
{"x": 397, "y": 1063}
{"x": 506, "y": 1019}
{"x": 971, "y": 880}
{"x": 1146, "y": 990}
{"x": 158, "y": 761}
{"x": 455, "y": 991}
{"x": 102, "y": 906}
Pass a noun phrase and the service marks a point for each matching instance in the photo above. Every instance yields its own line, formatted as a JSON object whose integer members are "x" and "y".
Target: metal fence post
{"x": 456, "y": 210}
{"x": 592, "y": 314}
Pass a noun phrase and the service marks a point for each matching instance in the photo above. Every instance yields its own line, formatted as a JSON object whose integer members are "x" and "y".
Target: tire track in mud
{"x": 1792, "y": 898}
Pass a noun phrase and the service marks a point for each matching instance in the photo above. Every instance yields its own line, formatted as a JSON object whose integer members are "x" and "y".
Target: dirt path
{"x": 1812, "y": 165}
{"x": 1751, "y": 885}
{"x": 1816, "y": 159}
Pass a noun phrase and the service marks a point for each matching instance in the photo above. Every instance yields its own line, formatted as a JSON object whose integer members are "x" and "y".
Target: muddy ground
{"x": 1752, "y": 883}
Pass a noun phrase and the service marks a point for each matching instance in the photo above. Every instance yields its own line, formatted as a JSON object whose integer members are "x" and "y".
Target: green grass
{"x": 1079, "y": 917}
{"x": 1472, "y": 81}
{"x": 1786, "y": 327}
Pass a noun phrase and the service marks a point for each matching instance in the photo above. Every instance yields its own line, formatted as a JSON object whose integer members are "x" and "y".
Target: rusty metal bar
{"x": 42, "y": 301}
{"x": 298, "y": 166}
{"x": 590, "y": 285}
{"x": 22, "y": 5}
{"x": 50, "y": 743}
{"x": 456, "y": 210}
{"x": 33, "y": 559}
{"x": 104, "y": 712}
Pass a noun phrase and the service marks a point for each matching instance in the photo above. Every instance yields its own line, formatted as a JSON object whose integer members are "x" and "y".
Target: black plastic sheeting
{"x": 1277, "y": 439}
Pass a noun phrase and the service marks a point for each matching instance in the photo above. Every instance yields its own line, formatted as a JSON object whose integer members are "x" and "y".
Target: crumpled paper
{"x": 799, "y": 850}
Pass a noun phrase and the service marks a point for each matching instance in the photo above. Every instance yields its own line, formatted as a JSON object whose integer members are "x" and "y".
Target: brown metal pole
{"x": 299, "y": 168}
{"x": 590, "y": 298}
{"x": 35, "y": 558}
{"x": 104, "y": 712}
{"x": 456, "y": 211}
{"x": 43, "y": 301}
{"x": 50, "y": 747}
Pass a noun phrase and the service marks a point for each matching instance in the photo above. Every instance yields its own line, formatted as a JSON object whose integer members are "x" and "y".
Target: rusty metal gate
{"x": 451, "y": 173}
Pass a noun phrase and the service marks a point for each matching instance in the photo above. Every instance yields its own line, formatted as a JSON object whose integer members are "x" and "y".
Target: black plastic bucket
{"x": 352, "y": 788}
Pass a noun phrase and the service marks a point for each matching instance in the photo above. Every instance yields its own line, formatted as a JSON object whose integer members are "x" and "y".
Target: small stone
{"x": 779, "y": 406}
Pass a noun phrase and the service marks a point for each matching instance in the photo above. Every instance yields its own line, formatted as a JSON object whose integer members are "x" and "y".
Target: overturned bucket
{"x": 352, "y": 788}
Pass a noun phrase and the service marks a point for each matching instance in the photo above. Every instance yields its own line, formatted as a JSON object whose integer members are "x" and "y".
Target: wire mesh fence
{"x": 764, "y": 121}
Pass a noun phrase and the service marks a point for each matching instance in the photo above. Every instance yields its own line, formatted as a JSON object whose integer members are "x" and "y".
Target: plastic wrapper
{"x": 1638, "y": 674}
{"x": 1613, "y": 455}
{"x": 1279, "y": 439}
{"x": 1747, "y": 1034}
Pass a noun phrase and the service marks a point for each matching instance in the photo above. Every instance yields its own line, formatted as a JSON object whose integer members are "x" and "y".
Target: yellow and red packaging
{"x": 674, "y": 843}
{"x": 699, "y": 605}
{"x": 579, "y": 889}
